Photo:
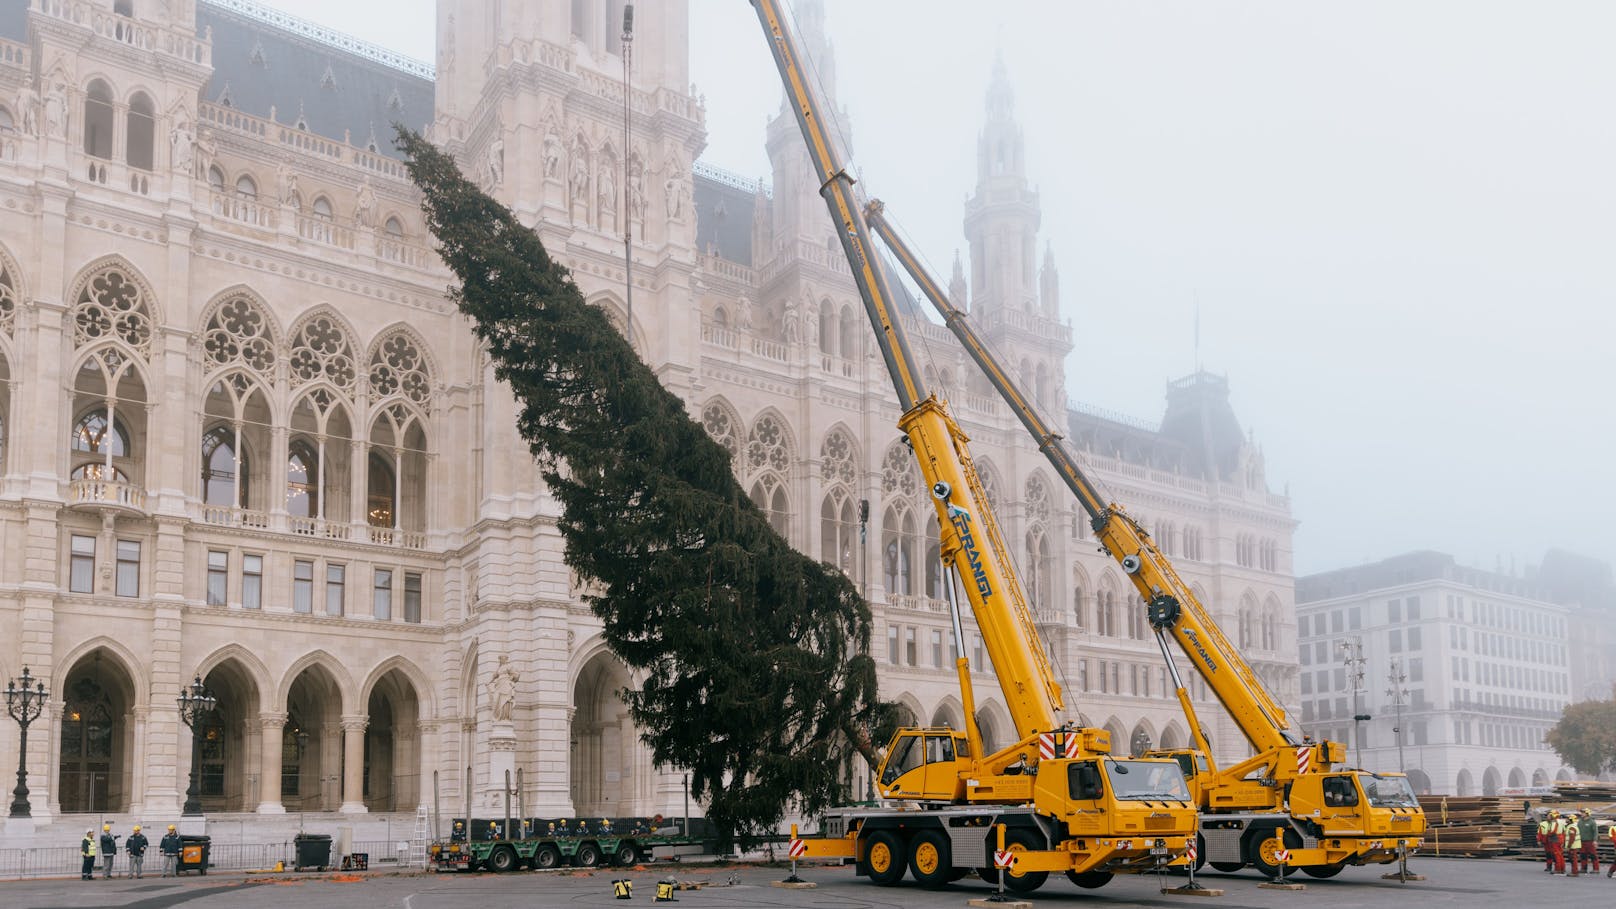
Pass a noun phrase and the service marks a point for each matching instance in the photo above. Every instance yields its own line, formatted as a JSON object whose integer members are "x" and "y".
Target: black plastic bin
{"x": 193, "y": 854}
{"x": 313, "y": 850}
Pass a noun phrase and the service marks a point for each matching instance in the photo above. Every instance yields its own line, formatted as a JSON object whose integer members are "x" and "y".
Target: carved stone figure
{"x": 552, "y": 154}
{"x": 182, "y": 146}
{"x": 28, "y": 108}
{"x": 502, "y": 689}
{"x": 636, "y": 188}
{"x": 743, "y": 313}
{"x": 673, "y": 195}
{"x": 365, "y": 206}
{"x": 56, "y": 110}
{"x": 496, "y": 161}
{"x": 580, "y": 176}
{"x": 607, "y": 192}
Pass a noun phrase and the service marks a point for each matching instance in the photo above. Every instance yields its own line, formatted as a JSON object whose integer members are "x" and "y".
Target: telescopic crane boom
{"x": 1061, "y": 800}
{"x": 1290, "y": 774}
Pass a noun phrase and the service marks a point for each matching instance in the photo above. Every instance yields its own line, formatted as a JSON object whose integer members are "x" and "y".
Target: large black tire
{"x": 502, "y": 859}
{"x": 1200, "y": 851}
{"x": 587, "y": 856}
{"x": 884, "y": 856}
{"x": 1019, "y": 881}
{"x": 1260, "y": 844}
{"x": 548, "y": 856}
{"x": 1323, "y": 871}
{"x": 989, "y": 875}
{"x": 628, "y": 853}
{"x": 1090, "y": 880}
{"x": 930, "y": 859}
{"x": 1228, "y": 867}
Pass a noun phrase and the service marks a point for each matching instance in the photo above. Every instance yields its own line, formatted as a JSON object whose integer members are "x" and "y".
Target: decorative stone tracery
{"x": 239, "y": 333}
{"x": 720, "y": 425}
{"x": 766, "y": 445}
{"x": 899, "y": 475}
{"x": 398, "y": 368}
{"x": 322, "y": 350}
{"x": 836, "y": 459}
{"x": 112, "y": 305}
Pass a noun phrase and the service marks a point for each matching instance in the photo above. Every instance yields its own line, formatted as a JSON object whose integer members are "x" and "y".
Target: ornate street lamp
{"x": 25, "y": 703}
{"x": 196, "y": 702}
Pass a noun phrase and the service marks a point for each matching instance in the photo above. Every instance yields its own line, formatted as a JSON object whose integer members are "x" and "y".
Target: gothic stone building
{"x": 247, "y": 439}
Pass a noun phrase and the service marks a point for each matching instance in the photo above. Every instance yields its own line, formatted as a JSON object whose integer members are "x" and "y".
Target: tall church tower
{"x": 799, "y": 210}
{"x": 1017, "y": 307}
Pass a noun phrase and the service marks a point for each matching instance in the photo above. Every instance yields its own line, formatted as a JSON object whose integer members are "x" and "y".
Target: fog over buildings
{"x": 1393, "y": 219}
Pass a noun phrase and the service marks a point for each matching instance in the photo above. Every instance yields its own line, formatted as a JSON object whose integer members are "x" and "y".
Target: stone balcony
{"x": 280, "y": 522}
{"x": 106, "y": 495}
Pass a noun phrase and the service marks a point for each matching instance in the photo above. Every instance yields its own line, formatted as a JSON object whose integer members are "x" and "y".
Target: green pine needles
{"x": 753, "y": 659}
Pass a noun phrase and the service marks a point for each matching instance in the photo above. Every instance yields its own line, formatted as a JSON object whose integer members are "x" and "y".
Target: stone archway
{"x": 95, "y": 771}
{"x": 606, "y": 761}
{"x": 1465, "y": 784}
{"x": 230, "y": 738}
{"x": 1420, "y": 781}
{"x": 311, "y": 742}
{"x": 1517, "y": 778}
{"x": 392, "y": 744}
{"x": 1540, "y": 777}
{"x": 1491, "y": 781}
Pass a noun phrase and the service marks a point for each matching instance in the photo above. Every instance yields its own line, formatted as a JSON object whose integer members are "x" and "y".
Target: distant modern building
{"x": 1482, "y": 661}
{"x": 1584, "y": 585}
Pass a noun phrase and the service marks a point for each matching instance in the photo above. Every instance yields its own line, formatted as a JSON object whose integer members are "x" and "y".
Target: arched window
{"x": 302, "y": 481}
{"x": 379, "y": 492}
{"x": 215, "y": 178}
{"x": 322, "y": 208}
{"x": 850, "y": 333}
{"x": 98, "y": 471}
{"x": 140, "y": 126}
{"x": 898, "y": 547}
{"x": 98, "y": 120}
{"x": 580, "y": 19}
{"x": 394, "y": 227}
{"x": 827, "y": 328}
{"x": 246, "y": 187}
{"x": 1078, "y": 606}
{"x": 93, "y": 434}
{"x": 720, "y": 318}
{"x": 123, "y": 7}
{"x": 222, "y": 467}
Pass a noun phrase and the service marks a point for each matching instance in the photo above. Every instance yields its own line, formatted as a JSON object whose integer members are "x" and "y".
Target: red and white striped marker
{"x": 1004, "y": 858}
{"x": 1073, "y": 740}
{"x": 1046, "y": 746}
{"x": 1304, "y": 758}
{"x": 1189, "y": 852}
{"x": 798, "y": 849}
{"x": 1282, "y": 856}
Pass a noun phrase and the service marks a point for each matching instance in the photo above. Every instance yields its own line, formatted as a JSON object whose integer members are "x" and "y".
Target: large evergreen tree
{"x": 754, "y": 658}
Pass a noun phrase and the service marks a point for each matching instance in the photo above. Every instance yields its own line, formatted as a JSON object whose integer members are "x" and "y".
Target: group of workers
{"x": 106, "y": 848}
{"x": 1572, "y": 837}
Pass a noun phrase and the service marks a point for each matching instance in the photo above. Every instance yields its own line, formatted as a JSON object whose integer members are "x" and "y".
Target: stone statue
{"x": 552, "y": 154}
{"x": 206, "y": 148}
{"x": 673, "y": 195}
{"x": 56, "y": 110}
{"x": 182, "y": 146}
{"x": 580, "y": 175}
{"x": 365, "y": 206}
{"x": 607, "y": 191}
{"x": 496, "y": 160}
{"x": 636, "y": 188}
{"x": 290, "y": 195}
{"x": 502, "y": 690}
{"x": 743, "y": 313}
{"x": 28, "y": 108}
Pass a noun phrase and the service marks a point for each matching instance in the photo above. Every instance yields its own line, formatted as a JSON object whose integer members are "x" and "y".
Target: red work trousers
{"x": 1588, "y": 856}
{"x": 1556, "y": 856}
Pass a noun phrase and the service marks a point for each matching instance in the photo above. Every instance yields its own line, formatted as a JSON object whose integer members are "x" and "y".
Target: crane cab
{"x": 926, "y": 764}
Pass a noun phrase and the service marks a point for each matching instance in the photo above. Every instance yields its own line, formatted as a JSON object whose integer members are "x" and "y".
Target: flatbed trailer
{"x": 501, "y": 855}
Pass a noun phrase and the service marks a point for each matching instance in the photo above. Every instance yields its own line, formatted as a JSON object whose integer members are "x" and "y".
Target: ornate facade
{"x": 246, "y": 437}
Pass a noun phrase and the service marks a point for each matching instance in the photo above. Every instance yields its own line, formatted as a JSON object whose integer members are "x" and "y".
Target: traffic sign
{"x": 798, "y": 848}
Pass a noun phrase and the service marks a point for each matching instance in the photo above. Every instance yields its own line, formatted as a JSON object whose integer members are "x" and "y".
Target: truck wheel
{"x": 930, "y": 860}
{"x": 547, "y": 857}
{"x": 884, "y": 858}
{"x": 627, "y": 854}
{"x": 1324, "y": 871}
{"x": 1260, "y": 846}
{"x": 1200, "y": 852}
{"x": 1023, "y": 881}
{"x": 588, "y": 856}
{"x": 1090, "y": 880}
{"x": 502, "y": 860}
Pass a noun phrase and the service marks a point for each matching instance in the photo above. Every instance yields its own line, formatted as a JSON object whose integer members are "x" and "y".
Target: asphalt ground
{"x": 1465, "y": 883}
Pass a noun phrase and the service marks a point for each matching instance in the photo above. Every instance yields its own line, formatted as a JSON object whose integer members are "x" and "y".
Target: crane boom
{"x": 969, "y": 534}
{"x": 1259, "y": 716}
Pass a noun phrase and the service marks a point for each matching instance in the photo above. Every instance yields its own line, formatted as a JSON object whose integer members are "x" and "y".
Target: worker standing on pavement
{"x": 1589, "y": 828}
{"x": 1552, "y": 842}
{"x": 1571, "y": 841}
{"x": 109, "y": 850}
{"x": 135, "y": 845}
{"x": 1545, "y": 826}
{"x": 87, "y": 853}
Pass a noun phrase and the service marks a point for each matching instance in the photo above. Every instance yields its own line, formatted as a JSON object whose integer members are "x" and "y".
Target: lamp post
{"x": 1353, "y": 659}
{"x": 196, "y": 702}
{"x": 1398, "y": 692}
{"x": 25, "y": 703}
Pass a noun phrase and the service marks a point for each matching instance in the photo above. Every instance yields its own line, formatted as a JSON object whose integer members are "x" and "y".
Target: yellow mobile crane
{"x": 1290, "y": 792}
{"x": 1065, "y": 804}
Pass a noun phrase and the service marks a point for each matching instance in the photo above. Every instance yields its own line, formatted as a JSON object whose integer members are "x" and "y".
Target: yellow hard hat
{"x": 137, "y": 828}
{"x": 171, "y": 826}
{"x": 106, "y": 828}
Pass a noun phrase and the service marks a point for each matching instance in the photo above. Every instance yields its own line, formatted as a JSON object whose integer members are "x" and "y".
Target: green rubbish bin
{"x": 313, "y": 851}
{"x": 193, "y": 854}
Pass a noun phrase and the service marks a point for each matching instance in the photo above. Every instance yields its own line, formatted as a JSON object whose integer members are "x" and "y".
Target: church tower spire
{"x": 799, "y": 212}
{"x": 1002, "y": 216}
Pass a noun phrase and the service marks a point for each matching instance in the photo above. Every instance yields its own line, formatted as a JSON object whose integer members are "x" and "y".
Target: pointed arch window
{"x": 302, "y": 481}
{"x": 140, "y": 126}
{"x": 98, "y": 118}
{"x": 380, "y": 491}
{"x": 224, "y": 468}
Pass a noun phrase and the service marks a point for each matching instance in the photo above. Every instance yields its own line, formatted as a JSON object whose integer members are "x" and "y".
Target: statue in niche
{"x": 182, "y": 146}
{"x": 502, "y": 689}
{"x": 636, "y": 188}
{"x": 28, "y": 108}
{"x": 579, "y": 178}
{"x": 56, "y": 109}
{"x": 606, "y": 190}
{"x": 552, "y": 153}
{"x": 365, "y": 206}
{"x": 496, "y": 160}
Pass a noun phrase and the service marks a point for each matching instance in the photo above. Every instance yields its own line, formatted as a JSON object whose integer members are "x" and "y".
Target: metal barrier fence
{"x": 64, "y": 861}
{"x": 45, "y": 861}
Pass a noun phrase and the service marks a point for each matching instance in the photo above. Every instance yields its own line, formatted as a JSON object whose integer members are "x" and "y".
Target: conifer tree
{"x": 753, "y": 659}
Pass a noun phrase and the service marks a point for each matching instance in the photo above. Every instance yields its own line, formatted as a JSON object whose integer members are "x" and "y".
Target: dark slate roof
{"x": 14, "y": 20}
{"x": 1200, "y": 418}
{"x": 258, "y": 65}
{"x": 724, "y": 212}
{"x": 1117, "y": 437}
{"x": 1408, "y": 568}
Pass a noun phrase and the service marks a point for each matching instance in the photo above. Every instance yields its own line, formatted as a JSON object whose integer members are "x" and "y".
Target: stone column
{"x": 353, "y": 764}
{"x": 501, "y": 761}
{"x": 273, "y": 727}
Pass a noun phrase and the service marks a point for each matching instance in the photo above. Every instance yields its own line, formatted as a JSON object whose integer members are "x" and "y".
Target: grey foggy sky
{"x": 1397, "y": 219}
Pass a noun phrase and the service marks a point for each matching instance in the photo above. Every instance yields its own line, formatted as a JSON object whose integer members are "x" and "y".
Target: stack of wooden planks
{"x": 1473, "y": 826}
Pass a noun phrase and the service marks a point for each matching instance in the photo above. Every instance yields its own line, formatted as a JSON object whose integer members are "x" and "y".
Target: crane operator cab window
{"x": 906, "y": 756}
{"x": 1083, "y": 781}
{"x": 939, "y": 748}
{"x": 1340, "y": 792}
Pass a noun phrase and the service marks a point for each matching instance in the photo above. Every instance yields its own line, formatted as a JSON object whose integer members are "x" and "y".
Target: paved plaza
{"x": 1450, "y": 883}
